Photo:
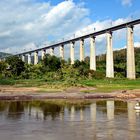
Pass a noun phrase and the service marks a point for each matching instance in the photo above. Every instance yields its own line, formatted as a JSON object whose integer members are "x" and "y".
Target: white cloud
{"x": 28, "y": 21}
{"x": 137, "y": 44}
{"x": 31, "y": 23}
{"x": 127, "y": 2}
{"x": 100, "y": 25}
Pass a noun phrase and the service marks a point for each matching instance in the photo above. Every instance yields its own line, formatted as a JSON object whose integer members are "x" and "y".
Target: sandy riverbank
{"x": 31, "y": 93}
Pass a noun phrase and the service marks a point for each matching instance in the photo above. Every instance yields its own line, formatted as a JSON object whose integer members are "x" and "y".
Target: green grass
{"x": 102, "y": 85}
{"x": 30, "y": 83}
{"x": 7, "y": 82}
{"x": 109, "y": 85}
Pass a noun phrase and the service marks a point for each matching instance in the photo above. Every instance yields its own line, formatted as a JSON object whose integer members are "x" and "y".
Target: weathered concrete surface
{"x": 29, "y": 58}
{"x": 51, "y": 51}
{"x": 81, "y": 50}
{"x": 23, "y": 58}
{"x": 131, "y": 73}
{"x": 109, "y": 57}
{"x": 92, "y": 54}
{"x": 72, "y": 52}
{"x": 62, "y": 52}
{"x": 43, "y": 54}
{"x": 35, "y": 57}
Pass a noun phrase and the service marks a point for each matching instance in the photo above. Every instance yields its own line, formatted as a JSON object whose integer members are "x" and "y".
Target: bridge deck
{"x": 111, "y": 29}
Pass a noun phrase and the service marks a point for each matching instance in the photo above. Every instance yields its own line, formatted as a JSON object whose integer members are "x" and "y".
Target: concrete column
{"x": 23, "y": 57}
{"x": 62, "y": 52}
{"x": 131, "y": 74}
{"x": 72, "y": 52}
{"x": 82, "y": 50}
{"x": 92, "y": 54}
{"x": 109, "y": 56}
{"x": 29, "y": 58}
{"x": 110, "y": 110}
{"x": 35, "y": 57}
{"x": 43, "y": 54}
{"x": 51, "y": 51}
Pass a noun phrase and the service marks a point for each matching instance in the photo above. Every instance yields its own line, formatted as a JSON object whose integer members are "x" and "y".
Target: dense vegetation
{"x": 119, "y": 62}
{"x": 53, "y": 69}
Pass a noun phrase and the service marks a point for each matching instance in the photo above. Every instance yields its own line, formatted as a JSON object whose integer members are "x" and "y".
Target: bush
{"x": 7, "y": 82}
{"x": 16, "y": 65}
{"x": 96, "y": 74}
{"x": 51, "y": 63}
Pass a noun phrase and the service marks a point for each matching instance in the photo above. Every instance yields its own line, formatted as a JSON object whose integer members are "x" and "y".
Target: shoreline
{"x": 24, "y": 93}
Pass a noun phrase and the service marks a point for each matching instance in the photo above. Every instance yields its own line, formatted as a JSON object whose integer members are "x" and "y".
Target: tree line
{"x": 53, "y": 68}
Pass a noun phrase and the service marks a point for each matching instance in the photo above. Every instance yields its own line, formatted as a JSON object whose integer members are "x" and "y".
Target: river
{"x": 69, "y": 120}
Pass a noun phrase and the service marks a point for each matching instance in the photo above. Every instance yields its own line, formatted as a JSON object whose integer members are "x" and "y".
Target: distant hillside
{"x": 4, "y": 54}
{"x": 120, "y": 55}
{"x": 119, "y": 61}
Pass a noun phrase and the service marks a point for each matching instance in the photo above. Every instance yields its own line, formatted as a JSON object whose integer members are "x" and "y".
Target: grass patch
{"x": 29, "y": 83}
{"x": 49, "y": 90}
{"x": 7, "y": 82}
{"x": 110, "y": 85}
{"x": 101, "y": 85}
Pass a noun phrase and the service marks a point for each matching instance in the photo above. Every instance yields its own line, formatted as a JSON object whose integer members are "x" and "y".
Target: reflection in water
{"x": 110, "y": 116}
{"x": 15, "y": 109}
{"x": 81, "y": 114}
{"x": 93, "y": 111}
{"x": 92, "y": 120}
{"x": 132, "y": 120}
{"x": 110, "y": 110}
{"x": 72, "y": 113}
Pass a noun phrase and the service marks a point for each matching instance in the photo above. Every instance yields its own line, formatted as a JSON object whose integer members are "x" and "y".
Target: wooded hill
{"x": 119, "y": 61}
{"x": 4, "y": 54}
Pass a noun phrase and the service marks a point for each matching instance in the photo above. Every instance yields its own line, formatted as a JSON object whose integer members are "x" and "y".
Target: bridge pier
{"x": 109, "y": 57}
{"x": 43, "y": 54}
{"x": 51, "y": 51}
{"x": 92, "y": 54}
{"x": 62, "y": 52}
{"x": 23, "y": 57}
{"x": 82, "y": 50}
{"x": 29, "y": 58}
{"x": 131, "y": 74}
{"x": 35, "y": 57}
{"x": 72, "y": 52}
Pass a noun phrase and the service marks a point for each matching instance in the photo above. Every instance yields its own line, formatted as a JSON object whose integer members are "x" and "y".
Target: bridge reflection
{"x": 102, "y": 117}
{"x": 51, "y": 108}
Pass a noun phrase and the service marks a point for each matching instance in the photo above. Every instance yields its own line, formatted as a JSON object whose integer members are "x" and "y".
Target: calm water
{"x": 65, "y": 120}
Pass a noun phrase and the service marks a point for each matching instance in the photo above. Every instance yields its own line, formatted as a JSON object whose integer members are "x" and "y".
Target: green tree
{"x": 16, "y": 65}
{"x": 3, "y": 66}
{"x": 51, "y": 63}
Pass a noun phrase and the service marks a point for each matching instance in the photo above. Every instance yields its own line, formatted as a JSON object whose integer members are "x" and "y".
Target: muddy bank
{"x": 12, "y": 93}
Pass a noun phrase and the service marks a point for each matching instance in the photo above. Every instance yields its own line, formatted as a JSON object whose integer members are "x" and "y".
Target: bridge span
{"x": 131, "y": 74}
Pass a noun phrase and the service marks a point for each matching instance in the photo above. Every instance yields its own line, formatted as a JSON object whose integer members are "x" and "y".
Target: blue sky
{"x": 28, "y": 24}
{"x": 103, "y": 9}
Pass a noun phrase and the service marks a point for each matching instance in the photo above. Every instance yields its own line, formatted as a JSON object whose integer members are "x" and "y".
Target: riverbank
{"x": 33, "y": 93}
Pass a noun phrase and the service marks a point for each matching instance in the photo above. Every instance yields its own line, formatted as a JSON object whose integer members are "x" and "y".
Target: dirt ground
{"x": 31, "y": 93}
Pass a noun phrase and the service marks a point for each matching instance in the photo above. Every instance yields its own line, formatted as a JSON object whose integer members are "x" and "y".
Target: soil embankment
{"x": 24, "y": 93}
